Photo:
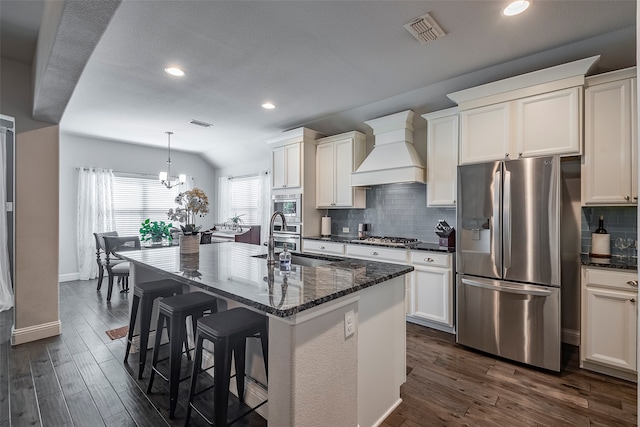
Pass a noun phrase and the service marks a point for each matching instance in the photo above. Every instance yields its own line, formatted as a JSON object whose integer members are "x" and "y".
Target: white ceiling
{"x": 313, "y": 59}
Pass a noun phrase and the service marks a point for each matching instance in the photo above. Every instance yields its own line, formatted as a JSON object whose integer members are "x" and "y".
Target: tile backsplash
{"x": 619, "y": 221}
{"x": 397, "y": 210}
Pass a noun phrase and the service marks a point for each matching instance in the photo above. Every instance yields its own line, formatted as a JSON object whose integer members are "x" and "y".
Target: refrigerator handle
{"x": 506, "y": 219}
{"x": 495, "y": 226}
{"x": 509, "y": 289}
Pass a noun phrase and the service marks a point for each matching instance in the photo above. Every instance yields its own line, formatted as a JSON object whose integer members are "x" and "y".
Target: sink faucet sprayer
{"x": 271, "y": 246}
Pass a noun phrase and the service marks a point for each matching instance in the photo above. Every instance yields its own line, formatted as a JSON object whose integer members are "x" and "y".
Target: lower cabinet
{"x": 432, "y": 296}
{"x": 609, "y": 322}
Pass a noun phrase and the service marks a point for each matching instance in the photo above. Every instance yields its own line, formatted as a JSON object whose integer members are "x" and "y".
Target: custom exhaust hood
{"x": 394, "y": 158}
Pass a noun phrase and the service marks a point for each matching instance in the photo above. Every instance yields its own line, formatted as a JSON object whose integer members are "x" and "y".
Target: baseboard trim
{"x": 69, "y": 277}
{"x": 570, "y": 336}
{"x": 36, "y": 332}
{"x": 388, "y": 412}
{"x": 432, "y": 325}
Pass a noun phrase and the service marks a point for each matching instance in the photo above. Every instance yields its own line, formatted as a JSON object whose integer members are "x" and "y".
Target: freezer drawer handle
{"x": 509, "y": 289}
{"x": 633, "y": 283}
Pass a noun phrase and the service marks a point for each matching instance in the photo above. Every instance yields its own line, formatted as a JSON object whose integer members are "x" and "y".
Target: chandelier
{"x": 165, "y": 177}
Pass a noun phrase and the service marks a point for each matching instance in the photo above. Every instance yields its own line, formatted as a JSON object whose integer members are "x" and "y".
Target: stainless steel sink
{"x": 305, "y": 260}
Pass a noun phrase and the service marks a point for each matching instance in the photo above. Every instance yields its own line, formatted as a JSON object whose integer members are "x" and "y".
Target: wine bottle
{"x": 601, "y": 229}
{"x": 600, "y": 242}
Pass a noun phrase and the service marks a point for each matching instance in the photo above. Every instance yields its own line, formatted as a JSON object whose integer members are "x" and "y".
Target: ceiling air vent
{"x": 424, "y": 28}
{"x": 199, "y": 123}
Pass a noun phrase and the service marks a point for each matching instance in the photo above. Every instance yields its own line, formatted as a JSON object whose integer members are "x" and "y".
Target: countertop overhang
{"x": 233, "y": 271}
{"x": 613, "y": 262}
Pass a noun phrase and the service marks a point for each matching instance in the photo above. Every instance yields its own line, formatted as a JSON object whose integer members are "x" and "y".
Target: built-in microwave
{"x": 290, "y": 205}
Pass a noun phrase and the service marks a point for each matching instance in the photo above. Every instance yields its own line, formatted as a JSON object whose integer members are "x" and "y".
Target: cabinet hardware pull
{"x": 632, "y": 300}
{"x": 429, "y": 259}
{"x": 321, "y": 247}
{"x": 627, "y": 197}
{"x": 374, "y": 253}
{"x": 635, "y": 198}
{"x": 519, "y": 154}
{"x": 633, "y": 283}
{"x": 506, "y": 154}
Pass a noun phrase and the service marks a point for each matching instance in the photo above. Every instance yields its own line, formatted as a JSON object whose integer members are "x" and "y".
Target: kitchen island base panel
{"x": 324, "y": 378}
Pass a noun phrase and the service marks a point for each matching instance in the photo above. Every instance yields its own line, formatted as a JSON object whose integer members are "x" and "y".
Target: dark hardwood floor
{"x": 79, "y": 379}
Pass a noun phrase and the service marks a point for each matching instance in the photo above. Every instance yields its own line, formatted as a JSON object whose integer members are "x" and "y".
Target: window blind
{"x": 245, "y": 196}
{"x": 136, "y": 199}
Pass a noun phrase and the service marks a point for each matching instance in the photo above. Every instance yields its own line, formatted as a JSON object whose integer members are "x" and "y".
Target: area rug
{"x": 117, "y": 333}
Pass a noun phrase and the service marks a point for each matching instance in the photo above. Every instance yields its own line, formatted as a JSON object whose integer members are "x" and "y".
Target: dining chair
{"x": 101, "y": 256}
{"x": 112, "y": 245}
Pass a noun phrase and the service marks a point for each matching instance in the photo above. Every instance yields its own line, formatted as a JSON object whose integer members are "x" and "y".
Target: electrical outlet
{"x": 349, "y": 324}
{"x": 345, "y": 229}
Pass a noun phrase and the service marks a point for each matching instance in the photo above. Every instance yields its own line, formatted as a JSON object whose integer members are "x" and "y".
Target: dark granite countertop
{"x": 232, "y": 271}
{"x": 420, "y": 246}
{"x": 613, "y": 262}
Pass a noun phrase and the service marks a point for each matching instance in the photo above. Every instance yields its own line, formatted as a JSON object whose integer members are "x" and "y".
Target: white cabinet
{"x": 485, "y": 133}
{"x": 336, "y": 157}
{"x": 285, "y": 166}
{"x": 610, "y": 170}
{"x": 533, "y": 126}
{"x": 322, "y": 247}
{"x": 609, "y": 322}
{"x": 432, "y": 297}
{"x": 442, "y": 157}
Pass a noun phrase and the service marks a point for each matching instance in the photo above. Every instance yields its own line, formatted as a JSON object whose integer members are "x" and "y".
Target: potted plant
{"x": 191, "y": 203}
{"x": 236, "y": 221}
{"x": 155, "y": 231}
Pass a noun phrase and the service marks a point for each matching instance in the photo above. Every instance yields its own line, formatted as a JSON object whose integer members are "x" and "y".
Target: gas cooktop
{"x": 392, "y": 241}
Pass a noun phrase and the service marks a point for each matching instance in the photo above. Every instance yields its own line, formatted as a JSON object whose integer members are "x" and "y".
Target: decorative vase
{"x": 189, "y": 244}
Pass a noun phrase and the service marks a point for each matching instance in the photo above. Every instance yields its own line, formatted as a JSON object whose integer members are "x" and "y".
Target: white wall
{"x": 77, "y": 151}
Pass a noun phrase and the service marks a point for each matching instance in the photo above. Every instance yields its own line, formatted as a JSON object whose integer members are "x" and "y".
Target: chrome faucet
{"x": 271, "y": 260}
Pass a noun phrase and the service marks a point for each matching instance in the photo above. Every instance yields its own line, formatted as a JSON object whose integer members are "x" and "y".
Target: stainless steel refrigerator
{"x": 508, "y": 260}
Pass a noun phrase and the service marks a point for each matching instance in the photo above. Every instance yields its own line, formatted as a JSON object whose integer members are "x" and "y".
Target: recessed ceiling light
{"x": 516, "y": 7}
{"x": 268, "y": 106}
{"x": 174, "y": 71}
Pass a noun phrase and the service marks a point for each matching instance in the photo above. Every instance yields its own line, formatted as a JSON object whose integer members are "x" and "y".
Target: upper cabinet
{"x": 442, "y": 157}
{"x": 336, "y": 158}
{"x": 533, "y": 126}
{"x": 293, "y": 161}
{"x": 286, "y": 166}
{"x": 609, "y": 168}
{"x": 530, "y": 115}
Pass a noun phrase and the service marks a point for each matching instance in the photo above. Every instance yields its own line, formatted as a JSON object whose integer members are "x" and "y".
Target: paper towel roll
{"x": 326, "y": 226}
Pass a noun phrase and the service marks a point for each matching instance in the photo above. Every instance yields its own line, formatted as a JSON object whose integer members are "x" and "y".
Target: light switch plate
{"x": 345, "y": 229}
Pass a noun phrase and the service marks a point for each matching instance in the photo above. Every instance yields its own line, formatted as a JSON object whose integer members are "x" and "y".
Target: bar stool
{"x": 175, "y": 310}
{"x": 228, "y": 331}
{"x": 143, "y": 296}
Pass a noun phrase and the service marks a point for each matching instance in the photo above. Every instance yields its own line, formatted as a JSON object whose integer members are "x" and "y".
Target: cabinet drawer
{"x": 377, "y": 253}
{"x": 608, "y": 278}
{"x": 321, "y": 247}
{"x": 429, "y": 259}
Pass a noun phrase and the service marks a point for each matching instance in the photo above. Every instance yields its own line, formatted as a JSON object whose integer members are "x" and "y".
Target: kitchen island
{"x": 323, "y": 368}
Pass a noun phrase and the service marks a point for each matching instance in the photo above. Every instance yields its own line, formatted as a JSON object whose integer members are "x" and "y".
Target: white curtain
{"x": 224, "y": 199}
{"x": 95, "y": 215}
{"x": 6, "y": 290}
{"x": 264, "y": 209}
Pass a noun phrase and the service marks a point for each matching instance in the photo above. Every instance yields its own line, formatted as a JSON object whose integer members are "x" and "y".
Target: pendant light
{"x": 165, "y": 177}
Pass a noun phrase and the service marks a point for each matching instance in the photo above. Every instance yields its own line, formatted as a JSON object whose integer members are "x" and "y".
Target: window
{"x": 136, "y": 199}
{"x": 244, "y": 199}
